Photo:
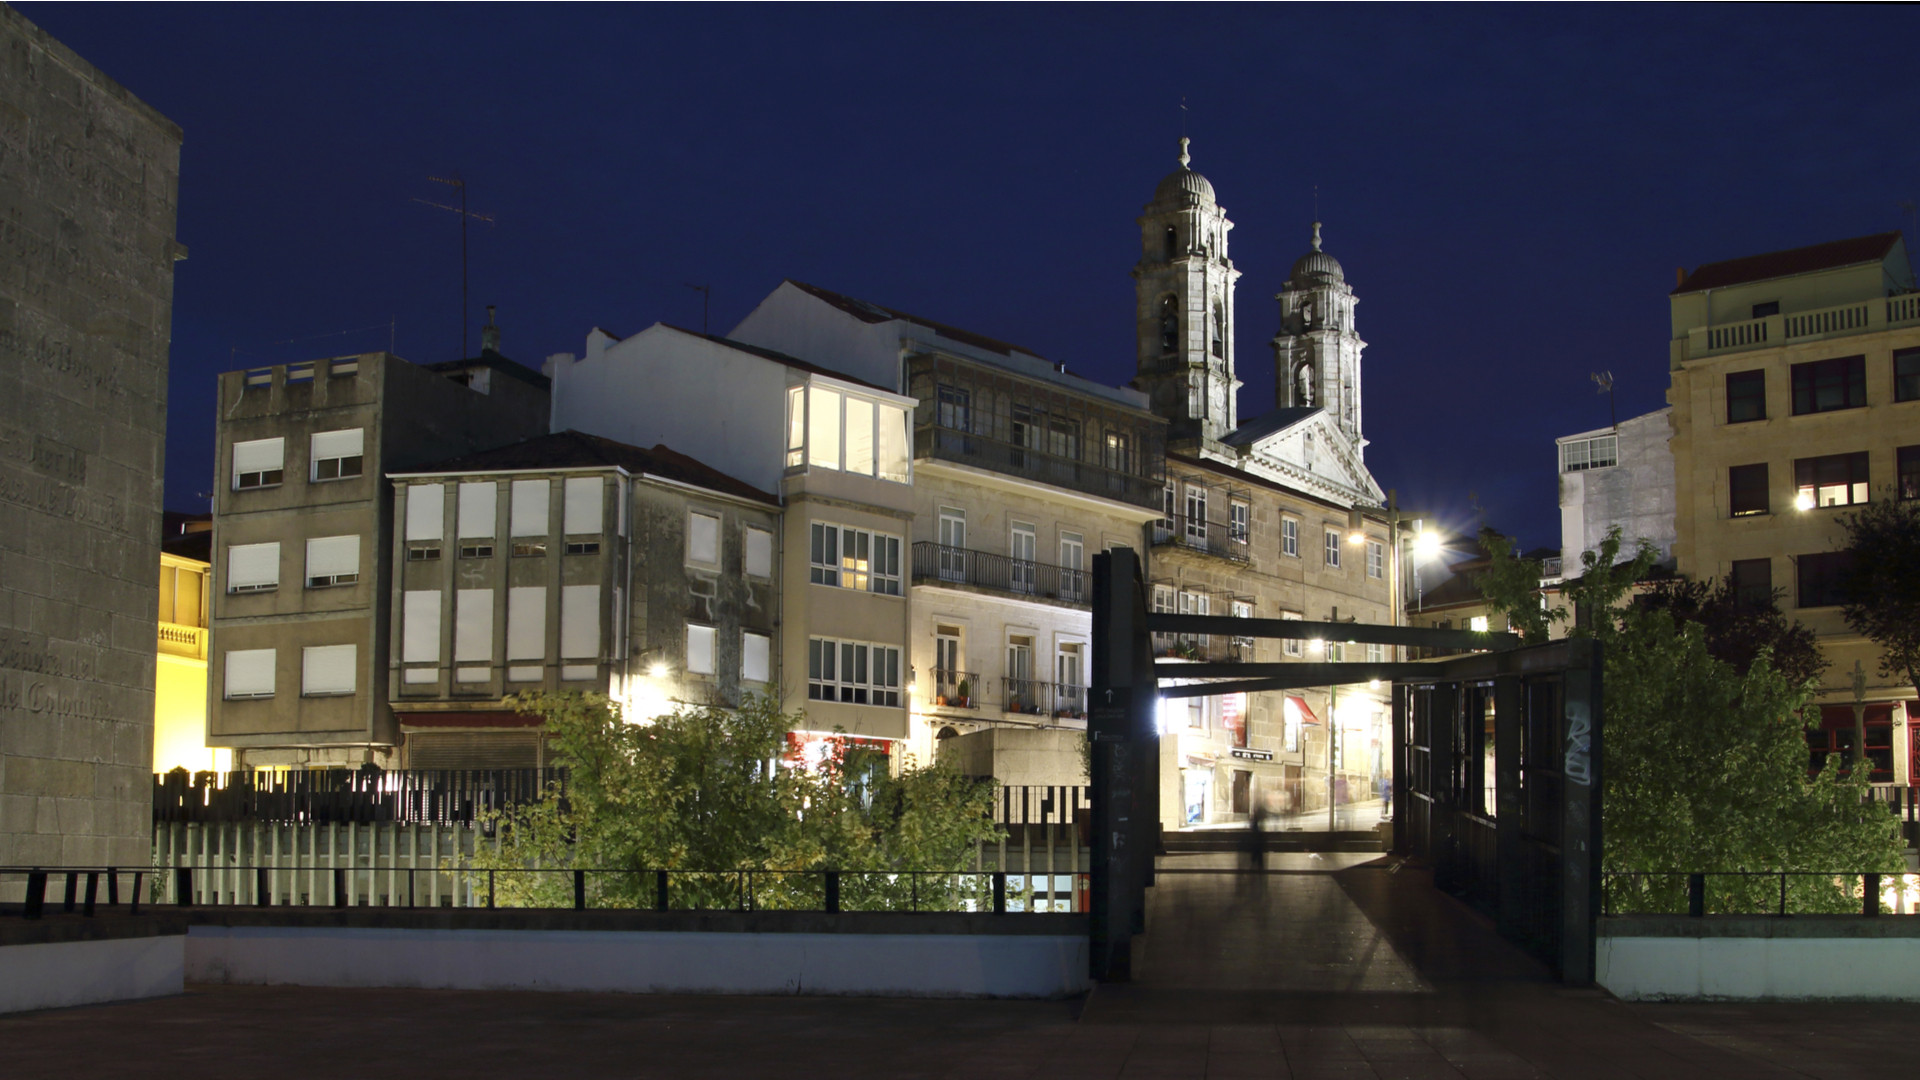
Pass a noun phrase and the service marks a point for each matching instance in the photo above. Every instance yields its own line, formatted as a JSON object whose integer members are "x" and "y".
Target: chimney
{"x": 1679, "y": 276}
{"x": 490, "y": 335}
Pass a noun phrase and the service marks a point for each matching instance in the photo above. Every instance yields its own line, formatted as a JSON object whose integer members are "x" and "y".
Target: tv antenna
{"x": 454, "y": 181}
{"x": 1604, "y": 381}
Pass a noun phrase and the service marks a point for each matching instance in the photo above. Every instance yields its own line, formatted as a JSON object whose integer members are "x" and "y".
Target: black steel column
{"x": 1443, "y": 717}
{"x": 1113, "y": 725}
{"x": 1580, "y": 814}
{"x": 1510, "y": 889}
{"x": 1402, "y": 760}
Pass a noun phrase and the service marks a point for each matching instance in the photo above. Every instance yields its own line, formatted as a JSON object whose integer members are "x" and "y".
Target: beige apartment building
{"x": 1796, "y": 397}
{"x": 573, "y": 562}
{"x": 298, "y": 671}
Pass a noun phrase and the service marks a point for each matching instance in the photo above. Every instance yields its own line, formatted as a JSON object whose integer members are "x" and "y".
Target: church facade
{"x": 1272, "y": 517}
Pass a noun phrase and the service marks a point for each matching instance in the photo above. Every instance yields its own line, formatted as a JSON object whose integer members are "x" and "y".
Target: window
{"x": 1906, "y": 375}
{"x": 1196, "y": 514}
{"x": 1907, "y": 482}
{"x": 1336, "y": 651}
{"x": 1595, "y": 453}
{"x": 1291, "y": 646}
{"x": 1063, "y": 438}
{"x": 1752, "y": 581}
{"x": 333, "y": 560}
{"x": 579, "y": 622}
{"x": 423, "y": 552}
{"x": 259, "y": 463}
{"x": 1289, "y": 537}
{"x": 853, "y": 672}
{"x": 1022, "y": 572}
{"x": 1834, "y": 480}
{"x": 796, "y": 426}
{"x": 528, "y": 513}
{"x": 249, "y": 673}
{"x": 1771, "y": 307}
{"x": 1219, "y": 330}
{"x": 581, "y": 512}
{"x": 300, "y": 372}
{"x": 1242, "y": 609}
{"x": 529, "y": 549}
{"x": 327, "y": 670}
{"x": 583, "y": 547}
{"x": 1237, "y": 514}
{"x": 1746, "y": 396}
{"x": 343, "y": 368}
{"x": 1376, "y": 653}
{"x": 756, "y": 657}
{"x": 1376, "y": 559}
{"x": 703, "y": 539}
{"x": 473, "y": 625}
{"x": 956, "y": 408}
{"x": 527, "y": 623}
{"x": 1478, "y": 624}
{"x": 426, "y": 511}
{"x": 953, "y": 544}
{"x": 759, "y": 553}
{"x": 478, "y": 504}
{"x": 1826, "y": 385}
{"x": 859, "y": 423}
{"x": 336, "y": 455}
{"x": 420, "y": 626}
{"x": 1164, "y": 527}
{"x": 1172, "y": 242}
{"x": 1169, "y": 324}
{"x": 1073, "y": 556}
{"x": 823, "y": 427}
{"x": 253, "y": 567}
{"x": 1118, "y": 453}
{"x": 853, "y": 559}
{"x": 1747, "y": 490}
{"x": 1333, "y": 548}
{"x": 1823, "y": 578}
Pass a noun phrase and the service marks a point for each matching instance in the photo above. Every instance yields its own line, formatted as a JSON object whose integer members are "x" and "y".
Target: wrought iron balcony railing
{"x": 1033, "y": 697}
{"x": 939, "y": 563}
{"x": 956, "y": 689}
{"x": 1225, "y": 539}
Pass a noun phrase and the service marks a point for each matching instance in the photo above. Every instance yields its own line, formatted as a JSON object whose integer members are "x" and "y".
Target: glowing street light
{"x": 1426, "y": 545}
{"x": 658, "y": 670}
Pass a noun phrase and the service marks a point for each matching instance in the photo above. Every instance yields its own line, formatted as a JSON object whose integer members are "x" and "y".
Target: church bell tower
{"x": 1316, "y": 354}
{"x": 1184, "y": 290}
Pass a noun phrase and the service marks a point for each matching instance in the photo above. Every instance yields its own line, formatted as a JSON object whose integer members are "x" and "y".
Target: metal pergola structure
{"x": 1532, "y": 859}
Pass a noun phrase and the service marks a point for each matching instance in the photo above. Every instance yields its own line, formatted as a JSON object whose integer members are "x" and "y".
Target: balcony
{"x": 1217, "y": 538}
{"x": 938, "y": 564}
{"x": 1031, "y": 697}
{"x": 1860, "y": 317}
{"x": 187, "y": 641}
{"x": 1203, "y": 648}
{"x": 956, "y": 689}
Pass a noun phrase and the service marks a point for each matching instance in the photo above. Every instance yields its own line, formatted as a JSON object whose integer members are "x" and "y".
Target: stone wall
{"x": 88, "y": 194}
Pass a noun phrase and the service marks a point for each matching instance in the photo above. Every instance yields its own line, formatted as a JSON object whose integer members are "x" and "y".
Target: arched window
{"x": 1219, "y": 329}
{"x": 1173, "y": 243}
{"x": 1170, "y": 324}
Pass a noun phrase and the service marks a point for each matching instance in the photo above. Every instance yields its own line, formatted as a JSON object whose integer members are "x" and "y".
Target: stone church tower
{"x": 1184, "y": 289}
{"x": 1316, "y": 354}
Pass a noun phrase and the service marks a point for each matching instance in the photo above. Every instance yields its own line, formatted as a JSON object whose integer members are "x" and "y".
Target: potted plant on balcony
{"x": 965, "y": 692}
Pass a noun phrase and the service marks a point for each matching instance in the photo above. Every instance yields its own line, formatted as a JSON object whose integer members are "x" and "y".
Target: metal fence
{"x": 1000, "y": 573}
{"x": 1760, "y": 892}
{"x": 415, "y": 796}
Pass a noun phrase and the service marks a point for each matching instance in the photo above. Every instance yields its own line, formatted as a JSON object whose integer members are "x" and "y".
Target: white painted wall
{"x": 60, "y": 974}
{"x": 1638, "y": 494}
{"x": 900, "y": 965}
{"x": 1759, "y": 968}
{"x": 794, "y": 321}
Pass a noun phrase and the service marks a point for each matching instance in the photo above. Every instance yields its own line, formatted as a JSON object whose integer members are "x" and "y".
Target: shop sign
{"x": 1253, "y": 755}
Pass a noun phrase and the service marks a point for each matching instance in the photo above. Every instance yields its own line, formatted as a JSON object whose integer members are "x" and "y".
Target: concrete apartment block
{"x": 89, "y": 181}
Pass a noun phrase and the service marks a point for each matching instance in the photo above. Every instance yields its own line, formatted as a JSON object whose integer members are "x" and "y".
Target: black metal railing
{"x": 423, "y": 796}
{"x": 956, "y": 689}
{"x": 830, "y": 891}
{"x": 939, "y": 563}
{"x": 1210, "y": 648}
{"x": 1036, "y": 804}
{"x": 1225, "y": 539}
{"x": 1759, "y": 892}
{"x": 1031, "y": 463}
{"x": 1037, "y": 697}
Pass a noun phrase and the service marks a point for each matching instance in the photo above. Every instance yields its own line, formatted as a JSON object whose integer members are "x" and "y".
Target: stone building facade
{"x": 1617, "y": 476}
{"x": 89, "y": 179}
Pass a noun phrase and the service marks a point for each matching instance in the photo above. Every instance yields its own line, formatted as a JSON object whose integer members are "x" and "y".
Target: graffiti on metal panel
{"x": 1579, "y": 768}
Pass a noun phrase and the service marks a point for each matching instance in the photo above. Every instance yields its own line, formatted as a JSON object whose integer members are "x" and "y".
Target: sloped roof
{"x": 578, "y": 450}
{"x": 1260, "y": 427}
{"x": 779, "y": 357}
{"x": 490, "y": 359}
{"x": 1778, "y": 264}
{"x": 875, "y": 313}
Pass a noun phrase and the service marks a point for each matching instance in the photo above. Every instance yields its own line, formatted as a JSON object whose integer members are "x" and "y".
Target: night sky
{"x": 1509, "y": 189}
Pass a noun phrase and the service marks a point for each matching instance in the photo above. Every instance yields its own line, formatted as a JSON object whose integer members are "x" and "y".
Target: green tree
{"x": 703, "y": 793}
{"x": 1883, "y": 583}
{"x": 1737, "y": 629}
{"x": 1706, "y": 765}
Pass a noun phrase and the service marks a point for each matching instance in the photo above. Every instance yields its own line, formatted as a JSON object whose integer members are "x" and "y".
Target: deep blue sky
{"x": 1509, "y": 189}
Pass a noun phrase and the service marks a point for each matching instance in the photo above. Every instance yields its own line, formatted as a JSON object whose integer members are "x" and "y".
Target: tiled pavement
{"x": 1311, "y": 972}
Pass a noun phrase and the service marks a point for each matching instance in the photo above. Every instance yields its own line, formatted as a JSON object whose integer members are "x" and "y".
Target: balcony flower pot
{"x": 965, "y": 690}
{"x": 941, "y": 700}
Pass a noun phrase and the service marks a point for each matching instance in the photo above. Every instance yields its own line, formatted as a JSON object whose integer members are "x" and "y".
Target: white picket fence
{"x": 386, "y": 863}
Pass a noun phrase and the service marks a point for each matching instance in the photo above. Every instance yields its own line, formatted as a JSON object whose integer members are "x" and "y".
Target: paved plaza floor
{"x": 1330, "y": 966}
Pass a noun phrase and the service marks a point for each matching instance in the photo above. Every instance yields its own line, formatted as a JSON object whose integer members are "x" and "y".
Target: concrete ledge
{"x": 1804, "y": 958}
{"x": 900, "y": 923}
{"x": 57, "y": 973}
{"x": 925, "y": 964}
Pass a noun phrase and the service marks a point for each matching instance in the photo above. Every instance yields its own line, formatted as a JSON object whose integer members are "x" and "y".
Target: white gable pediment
{"x": 1329, "y": 466}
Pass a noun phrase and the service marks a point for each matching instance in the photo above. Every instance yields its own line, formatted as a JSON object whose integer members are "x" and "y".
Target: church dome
{"x": 1317, "y": 267}
{"x": 1183, "y": 183}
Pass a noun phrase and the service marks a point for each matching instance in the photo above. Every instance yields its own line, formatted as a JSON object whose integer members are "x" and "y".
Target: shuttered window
{"x": 477, "y": 510}
{"x": 579, "y": 621}
{"x": 250, "y": 673}
{"x": 582, "y": 510}
{"x": 756, "y": 653}
{"x": 703, "y": 539}
{"x": 258, "y": 463}
{"x": 759, "y": 552}
{"x": 426, "y": 511}
{"x": 420, "y": 627}
{"x": 527, "y": 623}
{"x": 337, "y": 455}
{"x": 333, "y": 560}
{"x": 327, "y": 669}
{"x": 699, "y": 650}
{"x": 473, "y": 624}
{"x": 473, "y": 749}
{"x": 253, "y": 567}
{"x": 529, "y": 513}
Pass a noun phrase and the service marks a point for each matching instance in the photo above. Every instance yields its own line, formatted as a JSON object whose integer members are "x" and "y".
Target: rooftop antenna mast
{"x": 706, "y": 301}
{"x": 1604, "y": 380}
{"x": 454, "y": 181}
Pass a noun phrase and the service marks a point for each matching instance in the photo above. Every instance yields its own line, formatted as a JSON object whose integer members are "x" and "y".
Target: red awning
{"x": 1306, "y": 714}
{"x": 467, "y": 720}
